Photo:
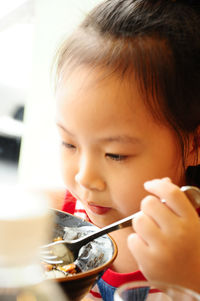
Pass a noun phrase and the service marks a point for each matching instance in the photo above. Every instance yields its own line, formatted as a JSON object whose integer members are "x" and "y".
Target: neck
{"x": 125, "y": 262}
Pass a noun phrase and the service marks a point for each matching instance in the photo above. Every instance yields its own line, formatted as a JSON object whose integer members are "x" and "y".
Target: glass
{"x": 154, "y": 291}
{"x": 25, "y": 225}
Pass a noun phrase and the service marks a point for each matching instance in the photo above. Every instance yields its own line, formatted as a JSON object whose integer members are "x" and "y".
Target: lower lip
{"x": 98, "y": 209}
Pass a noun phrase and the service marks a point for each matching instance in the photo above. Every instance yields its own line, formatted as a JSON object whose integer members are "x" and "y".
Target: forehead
{"x": 94, "y": 107}
{"x": 98, "y": 90}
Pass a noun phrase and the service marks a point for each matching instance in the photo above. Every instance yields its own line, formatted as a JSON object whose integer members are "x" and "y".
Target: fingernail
{"x": 147, "y": 184}
{"x": 167, "y": 179}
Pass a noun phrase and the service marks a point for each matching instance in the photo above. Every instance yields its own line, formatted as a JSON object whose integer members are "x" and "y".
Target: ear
{"x": 193, "y": 157}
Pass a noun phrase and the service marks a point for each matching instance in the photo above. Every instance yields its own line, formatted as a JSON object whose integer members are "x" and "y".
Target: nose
{"x": 89, "y": 176}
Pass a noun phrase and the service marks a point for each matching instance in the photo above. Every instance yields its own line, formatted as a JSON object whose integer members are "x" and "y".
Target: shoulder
{"x": 73, "y": 206}
{"x": 117, "y": 279}
{"x": 69, "y": 204}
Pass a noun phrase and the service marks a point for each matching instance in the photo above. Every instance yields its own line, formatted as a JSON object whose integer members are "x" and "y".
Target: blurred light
{"x": 16, "y": 55}
{"x": 6, "y": 6}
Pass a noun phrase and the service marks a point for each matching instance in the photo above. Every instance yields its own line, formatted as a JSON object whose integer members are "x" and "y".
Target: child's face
{"x": 111, "y": 145}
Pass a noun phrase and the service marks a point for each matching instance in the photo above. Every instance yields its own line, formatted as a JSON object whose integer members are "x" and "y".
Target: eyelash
{"x": 68, "y": 145}
{"x": 116, "y": 157}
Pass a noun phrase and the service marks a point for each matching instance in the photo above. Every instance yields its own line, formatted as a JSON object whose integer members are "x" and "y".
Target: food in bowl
{"x": 77, "y": 285}
{"x": 90, "y": 256}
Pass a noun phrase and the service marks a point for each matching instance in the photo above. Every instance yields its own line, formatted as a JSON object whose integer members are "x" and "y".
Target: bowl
{"x": 78, "y": 285}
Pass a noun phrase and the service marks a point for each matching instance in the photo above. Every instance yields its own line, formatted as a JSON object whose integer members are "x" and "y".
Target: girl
{"x": 128, "y": 112}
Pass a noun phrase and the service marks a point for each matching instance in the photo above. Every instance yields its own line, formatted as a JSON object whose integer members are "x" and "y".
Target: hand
{"x": 166, "y": 244}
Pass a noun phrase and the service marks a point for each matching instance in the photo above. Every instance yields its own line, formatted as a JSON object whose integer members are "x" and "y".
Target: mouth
{"x": 99, "y": 210}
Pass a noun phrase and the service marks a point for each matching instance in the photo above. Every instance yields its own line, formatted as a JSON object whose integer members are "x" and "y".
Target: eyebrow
{"x": 64, "y": 129}
{"x": 119, "y": 138}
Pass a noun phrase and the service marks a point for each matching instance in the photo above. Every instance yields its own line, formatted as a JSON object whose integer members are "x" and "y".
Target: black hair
{"x": 159, "y": 42}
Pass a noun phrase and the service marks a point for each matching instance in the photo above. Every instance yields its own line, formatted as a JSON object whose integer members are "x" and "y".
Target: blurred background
{"x": 30, "y": 33}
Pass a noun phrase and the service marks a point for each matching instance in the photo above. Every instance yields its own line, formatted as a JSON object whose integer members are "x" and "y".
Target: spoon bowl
{"x": 71, "y": 248}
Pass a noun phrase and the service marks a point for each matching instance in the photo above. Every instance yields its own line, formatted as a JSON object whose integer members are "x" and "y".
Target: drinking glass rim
{"x": 155, "y": 285}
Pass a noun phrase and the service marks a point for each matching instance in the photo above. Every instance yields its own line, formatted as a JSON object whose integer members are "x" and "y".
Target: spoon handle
{"x": 123, "y": 223}
{"x": 193, "y": 194}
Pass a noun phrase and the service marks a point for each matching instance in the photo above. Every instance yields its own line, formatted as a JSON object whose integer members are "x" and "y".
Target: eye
{"x": 116, "y": 157}
{"x": 68, "y": 145}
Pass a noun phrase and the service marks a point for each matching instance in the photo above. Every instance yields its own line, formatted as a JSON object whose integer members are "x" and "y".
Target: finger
{"x": 147, "y": 229}
{"x": 174, "y": 197}
{"x": 158, "y": 212}
{"x": 137, "y": 247}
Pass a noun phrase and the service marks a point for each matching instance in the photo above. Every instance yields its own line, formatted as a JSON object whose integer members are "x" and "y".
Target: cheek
{"x": 127, "y": 196}
{"x": 68, "y": 169}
